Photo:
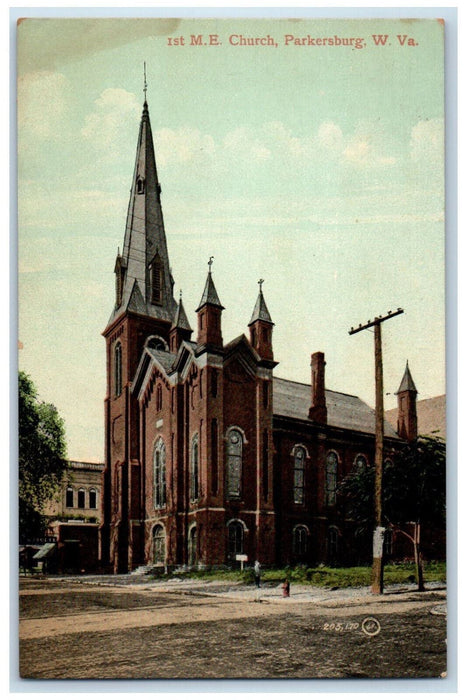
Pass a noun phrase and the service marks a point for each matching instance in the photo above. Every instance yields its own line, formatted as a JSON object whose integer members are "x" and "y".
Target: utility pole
{"x": 378, "y": 535}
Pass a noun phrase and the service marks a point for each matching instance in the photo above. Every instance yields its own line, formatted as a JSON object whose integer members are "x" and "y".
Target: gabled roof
{"x": 150, "y": 356}
{"x": 260, "y": 312}
{"x": 407, "y": 383}
{"x": 210, "y": 295}
{"x": 292, "y": 400}
{"x": 164, "y": 358}
{"x": 240, "y": 342}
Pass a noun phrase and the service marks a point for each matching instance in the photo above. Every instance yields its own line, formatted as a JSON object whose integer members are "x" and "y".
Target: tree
{"x": 414, "y": 492}
{"x": 42, "y": 456}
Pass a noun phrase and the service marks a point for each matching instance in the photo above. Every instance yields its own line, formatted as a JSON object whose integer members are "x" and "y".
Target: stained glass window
{"x": 234, "y": 464}
{"x": 299, "y": 476}
{"x": 331, "y": 478}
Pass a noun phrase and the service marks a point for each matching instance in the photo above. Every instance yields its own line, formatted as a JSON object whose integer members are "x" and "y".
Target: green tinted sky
{"x": 319, "y": 169}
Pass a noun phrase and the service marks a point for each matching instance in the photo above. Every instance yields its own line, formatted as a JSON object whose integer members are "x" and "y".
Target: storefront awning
{"x": 45, "y": 551}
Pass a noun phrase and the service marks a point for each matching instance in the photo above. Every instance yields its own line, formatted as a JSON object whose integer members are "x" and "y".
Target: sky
{"x": 318, "y": 168}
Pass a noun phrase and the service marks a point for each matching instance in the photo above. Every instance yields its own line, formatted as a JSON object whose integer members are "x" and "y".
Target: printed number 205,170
{"x": 340, "y": 626}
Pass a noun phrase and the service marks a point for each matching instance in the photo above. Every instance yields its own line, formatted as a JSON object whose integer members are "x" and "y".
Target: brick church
{"x": 208, "y": 455}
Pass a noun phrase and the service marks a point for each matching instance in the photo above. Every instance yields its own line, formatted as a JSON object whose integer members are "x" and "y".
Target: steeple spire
{"x": 144, "y": 267}
{"x": 181, "y": 320}
{"x": 181, "y": 329}
{"x": 260, "y": 312}
{"x": 210, "y": 295}
{"x": 209, "y": 315}
{"x": 407, "y": 383}
{"x": 261, "y": 327}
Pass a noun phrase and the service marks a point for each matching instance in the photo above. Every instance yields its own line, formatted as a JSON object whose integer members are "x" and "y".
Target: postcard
{"x": 231, "y": 348}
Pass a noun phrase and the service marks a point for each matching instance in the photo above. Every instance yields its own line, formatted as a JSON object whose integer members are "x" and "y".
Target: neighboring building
{"x": 81, "y": 493}
{"x": 72, "y": 544}
{"x": 431, "y": 416}
{"x": 208, "y": 455}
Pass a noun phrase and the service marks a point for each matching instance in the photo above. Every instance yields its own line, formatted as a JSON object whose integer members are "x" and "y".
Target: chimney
{"x": 318, "y": 411}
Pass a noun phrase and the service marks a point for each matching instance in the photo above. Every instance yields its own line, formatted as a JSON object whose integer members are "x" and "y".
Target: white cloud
{"x": 245, "y": 144}
{"x": 365, "y": 148}
{"x": 106, "y": 126}
{"x": 42, "y": 106}
{"x": 330, "y": 137}
{"x": 273, "y": 141}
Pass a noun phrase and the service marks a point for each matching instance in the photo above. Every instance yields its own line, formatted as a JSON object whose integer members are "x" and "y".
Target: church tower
{"x": 144, "y": 313}
{"x": 407, "y": 407}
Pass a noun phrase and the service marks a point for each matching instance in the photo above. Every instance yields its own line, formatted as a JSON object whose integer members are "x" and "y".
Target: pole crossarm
{"x": 377, "y": 320}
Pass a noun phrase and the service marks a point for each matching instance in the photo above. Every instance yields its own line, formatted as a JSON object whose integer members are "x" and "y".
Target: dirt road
{"x": 74, "y": 630}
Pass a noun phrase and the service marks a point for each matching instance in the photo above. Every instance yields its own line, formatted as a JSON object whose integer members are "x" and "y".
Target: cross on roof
{"x": 260, "y": 282}
{"x": 210, "y": 263}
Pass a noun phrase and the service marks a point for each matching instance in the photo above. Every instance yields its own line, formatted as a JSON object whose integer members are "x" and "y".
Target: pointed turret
{"x": 181, "y": 329}
{"x": 261, "y": 327}
{"x": 407, "y": 383}
{"x": 145, "y": 260}
{"x": 407, "y": 407}
{"x": 209, "y": 315}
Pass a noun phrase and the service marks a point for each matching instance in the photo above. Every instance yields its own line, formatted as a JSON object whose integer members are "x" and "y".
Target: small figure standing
{"x": 257, "y": 570}
{"x": 286, "y": 589}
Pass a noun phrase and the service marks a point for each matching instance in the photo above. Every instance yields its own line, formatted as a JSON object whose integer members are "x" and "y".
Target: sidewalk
{"x": 271, "y": 592}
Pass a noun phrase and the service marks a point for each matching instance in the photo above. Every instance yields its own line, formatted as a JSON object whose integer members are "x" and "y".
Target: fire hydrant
{"x": 286, "y": 589}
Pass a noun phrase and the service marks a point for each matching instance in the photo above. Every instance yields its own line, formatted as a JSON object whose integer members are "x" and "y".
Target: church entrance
{"x": 158, "y": 545}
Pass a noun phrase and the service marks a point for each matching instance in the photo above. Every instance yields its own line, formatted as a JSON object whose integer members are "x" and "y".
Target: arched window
{"x": 81, "y": 496}
{"x": 157, "y": 280}
{"x": 333, "y": 541}
{"x": 69, "y": 498}
{"x": 234, "y": 463}
{"x": 360, "y": 462}
{"x": 331, "y": 478}
{"x": 299, "y": 475}
{"x": 159, "y": 474}
{"x": 300, "y": 540}
{"x": 92, "y": 498}
{"x": 192, "y": 546}
{"x": 118, "y": 369}
{"x": 156, "y": 343}
{"x": 194, "y": 481}
{"x": 235, "y": 538}
{"x": 158, "y": 544}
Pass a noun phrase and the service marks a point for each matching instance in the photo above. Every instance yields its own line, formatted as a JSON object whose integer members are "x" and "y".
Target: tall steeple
{"x": 144, "y": 281}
